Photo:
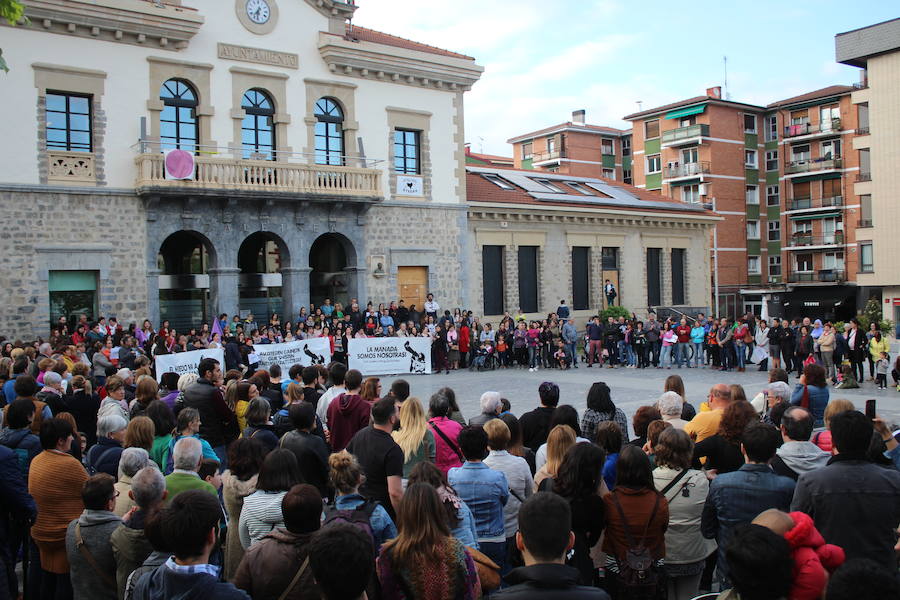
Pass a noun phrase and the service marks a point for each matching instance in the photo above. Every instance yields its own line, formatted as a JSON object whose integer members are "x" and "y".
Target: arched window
{"x": 258, "y": 128}
{"x": 178, "y": 120}
{"x": 329, "y": 132}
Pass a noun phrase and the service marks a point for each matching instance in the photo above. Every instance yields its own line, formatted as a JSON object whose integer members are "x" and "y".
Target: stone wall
{"x": 67, "y": 229}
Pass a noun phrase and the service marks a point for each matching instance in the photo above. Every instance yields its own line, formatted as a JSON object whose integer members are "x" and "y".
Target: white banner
{"x": 390, "y": 355}
{"x": 186, "y": 362}
{"x": 301, "y": 352}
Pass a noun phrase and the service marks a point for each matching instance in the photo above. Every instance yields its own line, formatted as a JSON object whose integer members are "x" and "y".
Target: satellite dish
{"x": 179, "y": 164}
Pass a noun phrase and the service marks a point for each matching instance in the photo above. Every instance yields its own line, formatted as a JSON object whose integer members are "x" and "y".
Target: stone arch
{"x": 333, "y": 269}
{"x": 262, "y": 258}
{"x": 184, "y": 261}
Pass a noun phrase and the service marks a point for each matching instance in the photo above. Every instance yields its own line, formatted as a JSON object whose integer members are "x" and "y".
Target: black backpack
{"x": 640, "y": 578}
{"x": 359, "y": 517}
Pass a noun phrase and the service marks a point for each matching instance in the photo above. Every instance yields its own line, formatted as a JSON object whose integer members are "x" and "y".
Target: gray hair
{"x": 778, "y": 389}
{"x": 258, "y": 411}
{"x": 187, "y": 454}
{"x": 110, "y": 424}
{"x": 490, "y": 402}
{"x": 670, "y": 404}
{"x": 148, "y": 486}
{"x": 52, "y": 378}
{"x": 186, "y": 380}
{"x": 132, "y": 461}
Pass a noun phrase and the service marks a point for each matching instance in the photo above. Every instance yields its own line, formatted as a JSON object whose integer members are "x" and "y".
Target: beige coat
{"x": 233, "y": 493}
{"x": 826, "y": 342}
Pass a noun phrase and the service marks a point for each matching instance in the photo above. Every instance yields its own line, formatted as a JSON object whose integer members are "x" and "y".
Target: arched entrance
{"x": 183, "y": 260}
{"x": 260, "y": 260}
{"x": 332, "y": 260}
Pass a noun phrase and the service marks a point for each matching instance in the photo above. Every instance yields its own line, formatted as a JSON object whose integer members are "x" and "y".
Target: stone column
{"x": 223, "y": 290}
{"x": 294, "y": 290}
{"x": 511, "y": 279}
{"x": 153, "y": 296}
{"x": 356, "y": 284}
{"x": 596, "y": 299}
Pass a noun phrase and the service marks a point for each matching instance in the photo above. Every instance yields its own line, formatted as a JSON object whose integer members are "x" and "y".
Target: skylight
{"x": 546, "y": 183}
{"x": 498, "y": 181}
{"x": 579, "y": 188}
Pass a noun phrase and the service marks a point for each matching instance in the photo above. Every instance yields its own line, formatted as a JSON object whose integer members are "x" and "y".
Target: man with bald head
{"x": 706, "y": 423}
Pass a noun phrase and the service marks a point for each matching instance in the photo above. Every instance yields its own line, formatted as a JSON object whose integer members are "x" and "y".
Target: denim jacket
{"x": 383, "y": 527}
{"x": 738, "y": 497}
{"x": 485, "y": 491}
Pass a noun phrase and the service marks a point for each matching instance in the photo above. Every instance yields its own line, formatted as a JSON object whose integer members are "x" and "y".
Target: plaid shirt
{"x": 190, "y": 569}
{"x": 591, "y": 418}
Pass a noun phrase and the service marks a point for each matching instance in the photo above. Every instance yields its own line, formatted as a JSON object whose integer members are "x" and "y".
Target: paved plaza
{"x": 631, "y": 388}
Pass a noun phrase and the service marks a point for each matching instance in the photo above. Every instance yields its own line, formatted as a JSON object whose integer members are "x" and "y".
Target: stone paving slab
{"x": 631, "y": 388}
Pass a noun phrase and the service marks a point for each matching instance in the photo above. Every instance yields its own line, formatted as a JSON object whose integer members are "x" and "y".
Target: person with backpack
{"x": 17, "y": 434}
{"x": 637, "y": 517}
{"x": 345, "y": 475}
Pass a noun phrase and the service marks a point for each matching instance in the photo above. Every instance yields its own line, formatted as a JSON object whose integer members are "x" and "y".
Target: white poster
{"x": 186, "y": 362}
{"x": 301, "y": 352}
{"x": 390, "y": 356}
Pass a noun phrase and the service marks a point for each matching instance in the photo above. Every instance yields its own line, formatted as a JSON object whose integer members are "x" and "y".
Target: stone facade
{"x": 64, "y": 230}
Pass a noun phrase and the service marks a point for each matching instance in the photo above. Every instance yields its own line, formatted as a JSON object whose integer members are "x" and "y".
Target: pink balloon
{"x": 179, "y": 164}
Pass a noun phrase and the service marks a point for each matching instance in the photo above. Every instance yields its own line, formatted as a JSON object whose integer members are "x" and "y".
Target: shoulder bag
{"x": 86, "y": 554}
{"x": 448, "y": 441}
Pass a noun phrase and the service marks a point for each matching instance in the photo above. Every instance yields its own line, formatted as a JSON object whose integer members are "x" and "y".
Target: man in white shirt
{"x": 431, "y": 307}
{"x": 336, "y": 374}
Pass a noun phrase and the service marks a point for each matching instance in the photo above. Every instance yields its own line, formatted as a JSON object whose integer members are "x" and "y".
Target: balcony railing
{"x": 864, "y": 223}
{"x": 234, "y": 174}
{"x": 808, "y": 239}
{"x": 685, "y": 133}
{"x": 862, "y": 130}
{"x": 686, "y": 170}
{"x": 804, "y": 202}
{"x": 66, "y": 167}
{"x": 544, "y": 156}
{"x": 863, "y": 177}
{"x": 827, "y": 126}
{"x": 807, "y": 165}
{"x": 822, "y": 275}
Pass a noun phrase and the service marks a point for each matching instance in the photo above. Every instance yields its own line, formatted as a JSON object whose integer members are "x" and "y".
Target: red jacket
{"x": 813, "y": 558}
{"x": 347, "y": 414}
{"x": 463, "y": 339}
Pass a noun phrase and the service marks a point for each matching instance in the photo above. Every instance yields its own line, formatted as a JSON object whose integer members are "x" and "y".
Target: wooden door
{"x": 412, "y": 285}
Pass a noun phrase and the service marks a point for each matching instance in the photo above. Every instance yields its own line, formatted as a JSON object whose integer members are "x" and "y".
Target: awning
{"x": 819, "y": 177}
{"x": 814, "y": 216}
{"x": 686, "y": 112}
{"x": 691, "y": 181}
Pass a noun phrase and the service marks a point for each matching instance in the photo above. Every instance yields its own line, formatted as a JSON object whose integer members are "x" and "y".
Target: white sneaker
{"x": 530, "y": 370}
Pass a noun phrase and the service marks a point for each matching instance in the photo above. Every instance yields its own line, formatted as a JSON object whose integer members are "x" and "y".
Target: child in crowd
{"x": 562, "y": 356}
{"x": 847, "y": 380}
{"x": 881, "y": 370}
{"x": 813, "y": 558}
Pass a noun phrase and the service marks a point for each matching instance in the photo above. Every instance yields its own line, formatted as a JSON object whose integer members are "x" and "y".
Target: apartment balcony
{"x": 800, "y": 241}
{"x": 678, "y": 171}
{"x": 806, "y": 202}
{"x": 260, "y": 178}
{"x": 863, "y": 130}
{"x": 812, "y": 165}
{"x": 827, "y": 127}
{"x": 683, "y": 136}
{"x": 542, "y": 159}
{"x": 861, "y": 177}
{"x": 820, "y": 276}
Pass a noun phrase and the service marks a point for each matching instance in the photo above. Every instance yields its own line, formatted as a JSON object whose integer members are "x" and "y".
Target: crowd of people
{"x": 235, "y": 482}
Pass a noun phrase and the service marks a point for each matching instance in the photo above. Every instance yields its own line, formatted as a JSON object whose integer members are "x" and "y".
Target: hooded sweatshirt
{"x": 166, "y": 584}
{"x": 813, "y": 558}
{"x": 347, "y": 414}
{"x": 801, "y": 457}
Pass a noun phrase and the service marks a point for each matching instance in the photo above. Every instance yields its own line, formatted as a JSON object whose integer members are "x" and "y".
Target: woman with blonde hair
{"x": 424, "y": 561}
{"x": 560, "y": 439}
{"x": 140, "y": 433}
{"x": 415, "y": 438}
{"x": 822, "y": 439}
{"x": 346, "y": 476}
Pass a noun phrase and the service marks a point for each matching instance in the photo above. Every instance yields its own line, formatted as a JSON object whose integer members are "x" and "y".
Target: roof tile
{"x": 364, "y": 34}
{"x": 831, "y": 90}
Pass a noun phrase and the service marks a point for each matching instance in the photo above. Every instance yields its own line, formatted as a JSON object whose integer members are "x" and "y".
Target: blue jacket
{"x": 465, "y": 531}
{"x": 9, "y": 391}
{"x": 24, "y": 444}
{"x": 736, "y": 498}
{"x": 208, "y": 452}
{"x": 15, "y": 500}
{"x": 104, "y": 457}
{"x": 383, "y": 528}
{"x": 698, "y": 334}
{"x": 818, "y": 400}
{"x": 485, "y": 491}
{"x": 166, "y": 584}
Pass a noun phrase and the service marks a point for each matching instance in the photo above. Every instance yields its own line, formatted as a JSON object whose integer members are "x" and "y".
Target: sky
{"x": 543, "y": 59}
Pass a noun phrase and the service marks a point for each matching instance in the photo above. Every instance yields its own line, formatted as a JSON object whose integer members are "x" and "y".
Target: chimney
{"x": 714, "y": 92}
{"x": 578, "y": 117}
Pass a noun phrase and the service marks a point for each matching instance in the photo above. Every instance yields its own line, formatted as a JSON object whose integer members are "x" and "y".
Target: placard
{"x": 390, "y": 355}
{"x": 186, "y": 362}
{"x": 301, "y": 352}
{"x": 409, "y": 185}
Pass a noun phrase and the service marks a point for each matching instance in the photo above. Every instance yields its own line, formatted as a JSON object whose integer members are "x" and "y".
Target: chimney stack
{"x": 578, "y": 117}
{"x": 714, "y": 92}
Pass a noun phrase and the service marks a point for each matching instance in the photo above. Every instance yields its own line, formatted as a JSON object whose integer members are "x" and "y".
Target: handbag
{"x": 488, "y": 570}
{"x": 804, "y": 400}
{"x": 809, "y": 360}
{"x": 748, "y": 339}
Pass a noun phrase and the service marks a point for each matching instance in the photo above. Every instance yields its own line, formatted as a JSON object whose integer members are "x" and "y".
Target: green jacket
{"x": 181, "y": 482}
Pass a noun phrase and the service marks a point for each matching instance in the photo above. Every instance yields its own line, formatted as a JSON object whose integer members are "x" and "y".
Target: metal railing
{"x": 827, "y": 126}
{"x": 822, "y": 275}
{"x": 542, "y": 156}
{"x": 862, "y": 131}
{"x": 685, "y": 133}
{"x": 686, "y": 169}
{"x": 807, "y": 202}
{"x": 812, "y": 164}
{"x": 864, "y": 223}
{"x": 808, "y": 239}
{"x": 863, "y": 177}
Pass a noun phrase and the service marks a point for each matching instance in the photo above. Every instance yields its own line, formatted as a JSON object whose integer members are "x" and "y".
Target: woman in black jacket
{"x": 787, "y": 346}
{"x": 775, "y": 335}
{"x": 578, "y": 480}
{"x": 804, "y": 348}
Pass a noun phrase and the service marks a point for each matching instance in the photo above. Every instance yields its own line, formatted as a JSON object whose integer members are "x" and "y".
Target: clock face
{"x": 258, "y": 11}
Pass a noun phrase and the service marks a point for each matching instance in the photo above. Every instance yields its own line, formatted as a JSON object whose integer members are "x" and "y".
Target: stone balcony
{"x": 241, "y": 177}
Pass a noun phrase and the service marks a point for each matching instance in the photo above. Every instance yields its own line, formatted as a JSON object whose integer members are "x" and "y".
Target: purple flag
{"x": 217, "y": 328}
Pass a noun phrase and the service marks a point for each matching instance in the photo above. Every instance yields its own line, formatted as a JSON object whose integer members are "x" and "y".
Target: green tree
{"x": 615, "y": 312}
{"x": 12, "y": 11}
{"x": 872, "y": 313}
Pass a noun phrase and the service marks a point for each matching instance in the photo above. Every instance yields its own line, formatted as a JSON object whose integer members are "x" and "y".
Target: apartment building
{"x": 576, "y": 148}
{"x": 876, "y": 50}
{"x": 707, "y": 150}
{"x": 812, "y": 211}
